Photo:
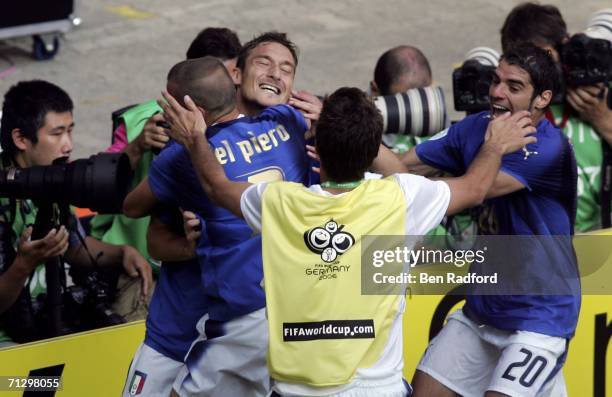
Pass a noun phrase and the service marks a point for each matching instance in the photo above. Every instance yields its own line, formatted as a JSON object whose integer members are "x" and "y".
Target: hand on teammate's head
{"x": 309, "y": 105}
{"x": 187, "y": 123}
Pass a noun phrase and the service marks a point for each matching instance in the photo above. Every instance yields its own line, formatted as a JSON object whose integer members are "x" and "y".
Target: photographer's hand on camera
{"x": 591, "y": 103}
{"x": 34, "y": 252}
{"x": 30, "y": 253}
{"x": 152, "y": 137}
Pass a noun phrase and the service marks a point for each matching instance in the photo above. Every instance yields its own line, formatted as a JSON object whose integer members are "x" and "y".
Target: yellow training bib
{"x": 322, "y": 329}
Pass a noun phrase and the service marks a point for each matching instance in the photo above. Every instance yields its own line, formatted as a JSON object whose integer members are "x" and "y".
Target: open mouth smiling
{"x": 499, "y": 109}
{"x": 271, "y": 88}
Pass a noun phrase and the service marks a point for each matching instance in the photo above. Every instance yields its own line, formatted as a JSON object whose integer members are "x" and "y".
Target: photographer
{"x": 584, "y": 116}
{"x": 398, "y": 70}
{"x": 36, "y": 129}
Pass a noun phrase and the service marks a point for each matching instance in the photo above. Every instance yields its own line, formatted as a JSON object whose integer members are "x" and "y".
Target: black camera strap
{"x": 605, "y": 192}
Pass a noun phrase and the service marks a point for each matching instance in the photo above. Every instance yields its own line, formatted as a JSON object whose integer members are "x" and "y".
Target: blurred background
{"x": 122, "y": 50}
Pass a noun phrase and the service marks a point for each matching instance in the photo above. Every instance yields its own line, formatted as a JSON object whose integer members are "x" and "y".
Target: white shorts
{"x": 151, "y": 373}
{"x": 471, "y": 359}
{"x": 232, "y": 362}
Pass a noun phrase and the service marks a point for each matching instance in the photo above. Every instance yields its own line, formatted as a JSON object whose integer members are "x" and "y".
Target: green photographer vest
{"x": 586, "y": 143}
{"x": 322, "y": 328}
{"x": 119, "y": 229}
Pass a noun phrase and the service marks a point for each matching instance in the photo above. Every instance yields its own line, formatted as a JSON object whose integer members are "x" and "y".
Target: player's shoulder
{"x": 548, "y": 130}
{"x": 473, "y": 120}
{"x": 172, "y": 154}
{"x": 413, "y": 185}
{"x": 472, "y": 127}
{"x": 551, "y": 138}
{"x": 231, "y": 129}
{"x": 279, "y": 112}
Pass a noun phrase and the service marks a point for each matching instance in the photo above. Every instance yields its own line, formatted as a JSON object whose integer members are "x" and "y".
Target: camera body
{"x": 87, "y": 304}
{"x": 471, "y": 80}
{"x": 471, "y": 84}
{"x": 586, "y": 60}
{"x": 587, "y": 57}
{"x": 83, "y": 307}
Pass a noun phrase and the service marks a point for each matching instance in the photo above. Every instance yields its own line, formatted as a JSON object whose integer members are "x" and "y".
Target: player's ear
{"x": 236, "y": 75}
{"x": 203, "y": 111}
{"x": 374, "y": 89}
{"x": 543, "y": 100}
{"x": 20, "y": 140}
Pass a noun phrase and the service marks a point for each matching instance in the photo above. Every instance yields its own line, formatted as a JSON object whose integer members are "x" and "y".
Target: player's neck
{"x": 536, "y": 117}
{"x": 232, "y": 115}
{"x": 249, "y": 108}
{"x": 334, "y": 187}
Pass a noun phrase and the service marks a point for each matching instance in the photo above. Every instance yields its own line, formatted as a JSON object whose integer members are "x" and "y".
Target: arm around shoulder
{"x": 140, "y": 201}
{"x": 505, "y": 134}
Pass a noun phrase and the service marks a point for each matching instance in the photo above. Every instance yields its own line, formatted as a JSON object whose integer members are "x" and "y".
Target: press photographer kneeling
{"x": 36, "y": 130}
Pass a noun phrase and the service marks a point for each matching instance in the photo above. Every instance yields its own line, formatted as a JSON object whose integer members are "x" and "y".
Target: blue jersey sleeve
{"x": 544, "y": 165}
{"x": 289, "y": 117}
{"x": 164, "y": 173}
{"x": 444, "y": 151}
{"x": 453, "y": 149}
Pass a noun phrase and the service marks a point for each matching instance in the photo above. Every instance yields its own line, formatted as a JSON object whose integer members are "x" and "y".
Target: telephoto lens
{"x": 100, "y": 182}
{"x": 417, "y": 112}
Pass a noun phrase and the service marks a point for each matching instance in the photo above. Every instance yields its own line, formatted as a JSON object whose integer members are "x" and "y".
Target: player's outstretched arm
{"x": 388, "y": 163}
{"x": 505, "y": 134}
{"x": 189, "y": 129}
{"x": 140, "y": 201}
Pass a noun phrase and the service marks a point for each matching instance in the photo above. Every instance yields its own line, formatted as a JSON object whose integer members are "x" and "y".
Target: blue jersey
{"x": 546, "y": 207}
{"x": 255, "y": 149}
{"x": 177, "y": 304}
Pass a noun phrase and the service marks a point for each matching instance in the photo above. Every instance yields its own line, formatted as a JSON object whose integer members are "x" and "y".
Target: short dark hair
{"x": 268, "y": 37}
{"x": 207, "y": 82}
{"x": 349, "y": 133}
{"x": 222, "y": 43}
{"x": 25, "y": 107}
{"x": 536, "y": 23}
{"x": 398, "y": 62}
{"x": 538, "y": 63}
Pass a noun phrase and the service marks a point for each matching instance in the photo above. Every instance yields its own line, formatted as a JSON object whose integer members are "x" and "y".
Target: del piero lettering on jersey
{"x": 253, "y": 146}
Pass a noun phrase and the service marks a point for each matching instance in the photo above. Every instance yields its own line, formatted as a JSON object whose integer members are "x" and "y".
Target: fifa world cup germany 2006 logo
{"x": 328, "y": 241}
